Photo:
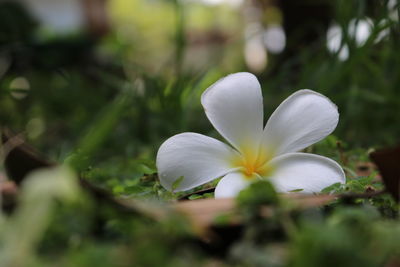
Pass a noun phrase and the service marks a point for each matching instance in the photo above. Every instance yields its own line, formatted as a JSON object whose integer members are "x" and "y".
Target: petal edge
{"x": 301, "y": 120}
{"x": 234, "y": 106}
{"x": 309, "y": 172}
{"x": 197, "y": 158}
{"x": 230, "y": 185}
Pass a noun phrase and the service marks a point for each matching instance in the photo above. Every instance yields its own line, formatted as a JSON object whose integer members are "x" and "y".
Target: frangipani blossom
{"x": 234, "y": 105}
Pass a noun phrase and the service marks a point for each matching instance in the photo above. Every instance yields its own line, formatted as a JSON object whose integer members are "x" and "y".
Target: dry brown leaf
{"x": 388, "y": 162}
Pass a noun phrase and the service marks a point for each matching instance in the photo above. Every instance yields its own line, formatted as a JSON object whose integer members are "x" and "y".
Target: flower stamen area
{"x": 253, "y": 166}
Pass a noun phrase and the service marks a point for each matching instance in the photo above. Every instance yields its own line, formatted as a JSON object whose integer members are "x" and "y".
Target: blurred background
{"x": 115, "y": 78}
{"x": 100, "y": 84}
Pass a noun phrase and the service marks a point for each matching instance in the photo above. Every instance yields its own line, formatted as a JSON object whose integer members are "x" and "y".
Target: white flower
{"x": 234, "y": 105}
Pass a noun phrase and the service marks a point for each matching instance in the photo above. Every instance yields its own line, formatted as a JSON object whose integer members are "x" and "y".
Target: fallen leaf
{"x": 388, "y": 162}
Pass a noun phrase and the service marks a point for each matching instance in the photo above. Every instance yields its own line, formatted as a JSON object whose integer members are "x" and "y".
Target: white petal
{"x": 231, "y": 185}
{"x": 309, "y": 172}
{"x": 234, "y": 105}
{"x": 303, "y": 119}
{"x": 195, "y": 157}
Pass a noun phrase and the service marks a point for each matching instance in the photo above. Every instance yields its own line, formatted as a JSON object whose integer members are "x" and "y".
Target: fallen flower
{"x": 234, "y": 105}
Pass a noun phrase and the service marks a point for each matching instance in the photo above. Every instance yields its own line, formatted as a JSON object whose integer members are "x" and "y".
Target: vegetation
{"x": 100, "y": 105}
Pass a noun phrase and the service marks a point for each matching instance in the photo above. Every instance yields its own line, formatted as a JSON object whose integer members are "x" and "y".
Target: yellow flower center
{"x": 253, "y": 164}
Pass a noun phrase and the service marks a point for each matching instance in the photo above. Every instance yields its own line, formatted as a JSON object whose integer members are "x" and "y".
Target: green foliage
{"x": 21, "y": 232}
{"x": 258, "y": 193}
{"x": 97, "y": 133}
{"x": 349, "y": 236}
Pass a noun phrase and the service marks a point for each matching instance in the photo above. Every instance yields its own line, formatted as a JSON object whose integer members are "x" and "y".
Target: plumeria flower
{"x": 234, "y": 105}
